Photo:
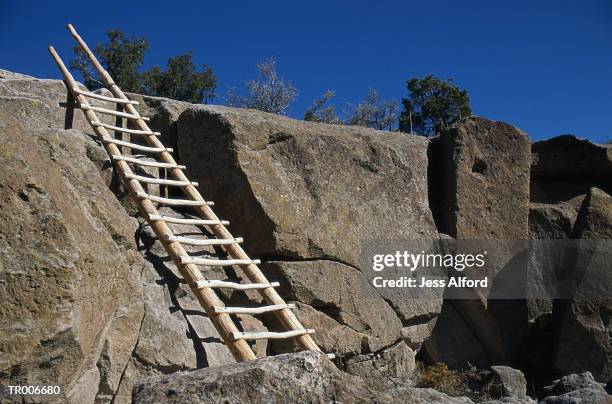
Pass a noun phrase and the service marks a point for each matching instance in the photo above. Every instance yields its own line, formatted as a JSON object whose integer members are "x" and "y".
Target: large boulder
{"x": 595, "y": 220}
{"x": 576, "y": 388}
{"x": 582, "y": 325}
{"x": 305, "y": 196}
{"x": 372, "y": 324}
{"x": 563, "y": 169}
{"x": 382, "y": 370}
{"x": 38, "y": 104}
{"x": 453, "y": 341}
{"x": 305, "y": 376}
{"x": 479, "y": 190}
{"x": 80, "y": 307}
{"x": 60, "y": 295}
{"x": 571, "y": 159}
{"x": 306, "y": 190}
{"x": 511, "y": 381}
{"x": 554, "y": 220}
{"x": 164, "y": 114}
{"x": 277, "y": 379}
{"x": 483, "y": 180}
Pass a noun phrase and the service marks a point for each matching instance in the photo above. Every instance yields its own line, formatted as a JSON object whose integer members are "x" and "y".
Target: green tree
{"x": 121, "y": 56}
{"x": 321, "y": 111}
{"x": 181, "y": 81}
{"x": 433, "y": 104}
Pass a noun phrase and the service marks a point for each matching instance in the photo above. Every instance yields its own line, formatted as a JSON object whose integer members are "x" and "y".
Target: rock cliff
{"x": 91, "y": 302}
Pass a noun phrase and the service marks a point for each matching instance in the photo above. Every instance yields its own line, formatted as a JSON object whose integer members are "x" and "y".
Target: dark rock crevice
{"x": 281, "y": 258}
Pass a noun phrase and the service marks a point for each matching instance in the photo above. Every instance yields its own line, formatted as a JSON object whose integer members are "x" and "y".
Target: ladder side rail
{"x": 191, "y": 273}
{"x": 287, "y": 318}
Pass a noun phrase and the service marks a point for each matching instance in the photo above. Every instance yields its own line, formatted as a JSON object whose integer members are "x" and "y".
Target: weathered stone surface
{"x": 554, "y": 220}
{"x": 355, "y": 304}
{"x": 306, "y": 190}
{"x": 416, "y": 335}
{"x": 412, "y": 395}
{"x": 512, "y": 381}
{"x": 332, "y": 336}
{"x": 480, "y": 191}
{"x": 197, "y": 329}
{"x": 39, "y": 104}
{"x": 59, "y": 295}
{"x": 278, "y": 379}
{"x": 595, "y": 222}
{"x": 382, "y": 370}
{"x": 289, "y": 187}
{"x": 583, "y": 326}
{"x": 582, "y": 337}
{"x": 454, "y": 342}
{"x": 84, "y": 390}
{"x": 80, "y": 308}
{"x": 304, "y": 376}
{"x": 569, "y": 158}
{"x": 5, "y": 74}
{"x": 484, "y": 180}
{"x": 576, "y": 388}
{"x": 164, "y": 343}
{"x": 118, "y": 347}
{"x": 164, "y": 114}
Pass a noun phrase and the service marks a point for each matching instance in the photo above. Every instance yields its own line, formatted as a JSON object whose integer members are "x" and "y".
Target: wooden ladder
{"x": 203, "y": 289}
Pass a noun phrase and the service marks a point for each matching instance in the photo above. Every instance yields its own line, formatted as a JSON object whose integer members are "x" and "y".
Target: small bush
{"x": 441, "y": 378}
{"x": 477, "y": 384}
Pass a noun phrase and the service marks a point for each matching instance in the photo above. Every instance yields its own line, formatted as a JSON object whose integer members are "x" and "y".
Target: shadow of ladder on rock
{"x": 203, "y": 289}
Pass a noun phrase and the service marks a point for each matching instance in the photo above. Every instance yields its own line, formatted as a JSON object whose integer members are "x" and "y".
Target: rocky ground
{"x": 92, "y": 303}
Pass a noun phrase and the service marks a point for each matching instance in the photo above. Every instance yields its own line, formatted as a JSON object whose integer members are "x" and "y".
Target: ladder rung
{"x": 331, "y": 356}
{"x": 235, "y": 285}
{"x": 202, "y": 241}
{"x": 251, "y": 310}
{"x": 126, "y": 130}
{"x": 104, "y": 97}
{"x": 218, "y": 263}
{"x": 179, "y": 220}
{"x": 172, "y": 202}
{"x": 112, "y": 112}
{"x": 147, "y": 163}
{"x": 152, "y": 180}
{"x": 270, "y": 335}
{"x": 138, "y": 147}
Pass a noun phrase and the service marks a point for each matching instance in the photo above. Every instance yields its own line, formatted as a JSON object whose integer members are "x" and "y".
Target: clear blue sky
{"x": 542, "y": 65}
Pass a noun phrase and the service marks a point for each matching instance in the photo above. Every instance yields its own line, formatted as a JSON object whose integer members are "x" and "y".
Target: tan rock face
{"x": 382, "y": 369}
{"x": 486, "y": 180}
{"x": 68, "y": 258}
{"x": 299, "y": 189}
{"x": 38, "y": 104}
{"x": 80, "y": 307}
{"x": 480, "y": 191}
{"x": 304, "y": 196}
{"x": 344, "y": 296}
{"x": 582, "y": 325}
{"x": 164, "y": 114}
{"x": 303, "y": 376}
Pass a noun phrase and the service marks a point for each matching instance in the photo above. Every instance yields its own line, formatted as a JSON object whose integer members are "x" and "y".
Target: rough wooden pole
{"x": 286, "y": 317}
{"x": 206, "y": 296}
